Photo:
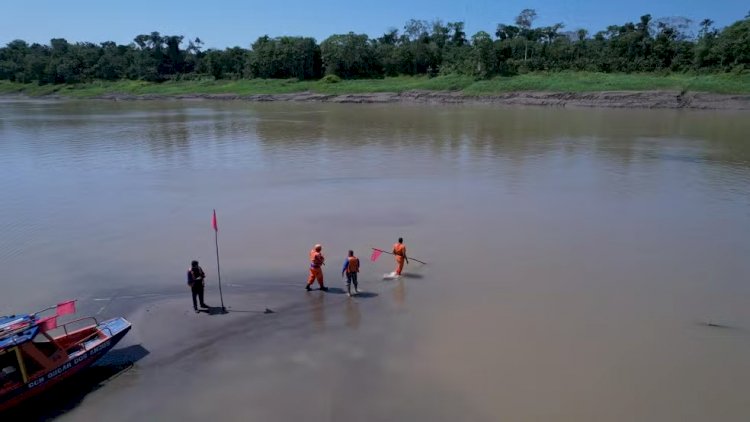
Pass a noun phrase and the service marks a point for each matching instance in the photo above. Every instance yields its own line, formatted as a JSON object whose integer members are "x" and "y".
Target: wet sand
{"x": 337, "y": 357}
{"x": 532, "y": 355}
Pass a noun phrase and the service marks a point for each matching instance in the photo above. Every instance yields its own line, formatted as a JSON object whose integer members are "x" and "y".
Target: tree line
{"x": 420, "y": 48}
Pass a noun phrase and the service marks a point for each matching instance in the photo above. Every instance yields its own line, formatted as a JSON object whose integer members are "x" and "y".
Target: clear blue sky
{"x": 227, "y": 23}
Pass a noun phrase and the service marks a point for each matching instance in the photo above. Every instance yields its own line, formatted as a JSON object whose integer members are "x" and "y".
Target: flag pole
{"x": 389, "y": 253}
{"x": 218, "y": 266}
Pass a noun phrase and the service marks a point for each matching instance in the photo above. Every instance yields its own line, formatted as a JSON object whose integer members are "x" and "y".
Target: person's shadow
{"x": 335, "y": 291}
{"x": 213, "y": 310}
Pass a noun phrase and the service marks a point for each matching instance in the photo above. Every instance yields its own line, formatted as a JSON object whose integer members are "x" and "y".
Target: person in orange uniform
{"x": 317, "y": 260}
{"x": 399, "y": 251}
{"x": 351, "y": 268}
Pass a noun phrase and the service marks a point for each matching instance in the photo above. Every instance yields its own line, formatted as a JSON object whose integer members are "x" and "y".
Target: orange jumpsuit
{"x": 399, "y": 250}
{"x": 316, "y": 272}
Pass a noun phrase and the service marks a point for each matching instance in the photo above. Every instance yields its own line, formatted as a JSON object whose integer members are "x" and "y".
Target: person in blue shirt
{"x": 350, "y": 269}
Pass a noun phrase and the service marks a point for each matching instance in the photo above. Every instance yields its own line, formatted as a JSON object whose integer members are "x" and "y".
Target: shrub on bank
{"x": 330, "y": 79}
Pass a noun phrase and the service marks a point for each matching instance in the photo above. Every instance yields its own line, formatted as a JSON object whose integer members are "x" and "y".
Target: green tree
{"x": 507, "y": 32}
{"x": 350, "y": 56}
{"x": 524, "y": 20}
{"x": 422, "y": 48}
{"x": 388, "y": 53}
{"x": 34, "y": 66}
{"x": 458, "y": 36}
{"x": 732, "y": 46}
{"x": 483, "y": 55}
{"x": 704, "y": 56}
{"x": 285, "y": 57}
{"x": 440, "y": 34}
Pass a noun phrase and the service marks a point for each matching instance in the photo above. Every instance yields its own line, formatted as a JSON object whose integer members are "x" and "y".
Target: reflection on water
{"x": 399, "y": 294}
{"x": 316, "y": 303}
{"x": 353, "y": 316}
{"x": 575, "y": 255}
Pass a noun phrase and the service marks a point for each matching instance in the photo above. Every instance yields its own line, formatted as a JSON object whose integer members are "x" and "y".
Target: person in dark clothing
{"x": 351, "y": 268}
{"x": 195, "y": 277}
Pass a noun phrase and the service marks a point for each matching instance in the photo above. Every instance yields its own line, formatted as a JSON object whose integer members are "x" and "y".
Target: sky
{"x": 229, "y": 23}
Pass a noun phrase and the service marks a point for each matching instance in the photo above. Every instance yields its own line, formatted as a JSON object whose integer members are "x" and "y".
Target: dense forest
{"x": 421, "y": 48}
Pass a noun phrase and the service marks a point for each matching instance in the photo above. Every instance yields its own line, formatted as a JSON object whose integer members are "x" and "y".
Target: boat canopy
{"x": 17, "y": 329}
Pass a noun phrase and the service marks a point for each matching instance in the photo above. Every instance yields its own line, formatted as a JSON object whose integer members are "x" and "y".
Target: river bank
{"x": 613, "y": 99}
{"x": 608, "y": 99}
{"x": 572, "y": 89}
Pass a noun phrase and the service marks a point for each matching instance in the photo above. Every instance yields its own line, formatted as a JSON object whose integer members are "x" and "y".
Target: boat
{"x": 36, "y": 353}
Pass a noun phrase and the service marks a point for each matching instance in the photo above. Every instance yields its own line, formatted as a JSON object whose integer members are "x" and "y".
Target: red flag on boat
{"x": 375, "y": 255}
{"x": 48, "y": 323}
{"x": 214, "y": 224}
{"x": 66, "y": 308}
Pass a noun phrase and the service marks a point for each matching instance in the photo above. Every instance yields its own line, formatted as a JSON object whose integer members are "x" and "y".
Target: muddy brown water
{"x": 577, "y": 258}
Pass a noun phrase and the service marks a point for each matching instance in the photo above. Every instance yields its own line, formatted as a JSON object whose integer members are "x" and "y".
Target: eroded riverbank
{"x": 608, "y": 99}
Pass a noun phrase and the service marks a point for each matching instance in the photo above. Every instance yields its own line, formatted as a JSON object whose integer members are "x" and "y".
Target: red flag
{"x": 214, "y": 224}
{"x": 375, "y": 255}
{"x": 48, "y": 323}
{"x": 66, "y": 308}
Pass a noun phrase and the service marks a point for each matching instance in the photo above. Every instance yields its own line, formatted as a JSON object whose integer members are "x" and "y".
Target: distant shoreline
{"x": 603, "y": 99}
{"x": 608, "y": 99}
{"x": 562, "y": 89}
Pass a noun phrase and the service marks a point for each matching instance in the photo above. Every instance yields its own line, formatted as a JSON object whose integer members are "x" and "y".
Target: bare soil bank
{"x": 613, "y": 99}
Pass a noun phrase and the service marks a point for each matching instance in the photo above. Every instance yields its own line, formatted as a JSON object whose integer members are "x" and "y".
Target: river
{"x": 582, "y": 264}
